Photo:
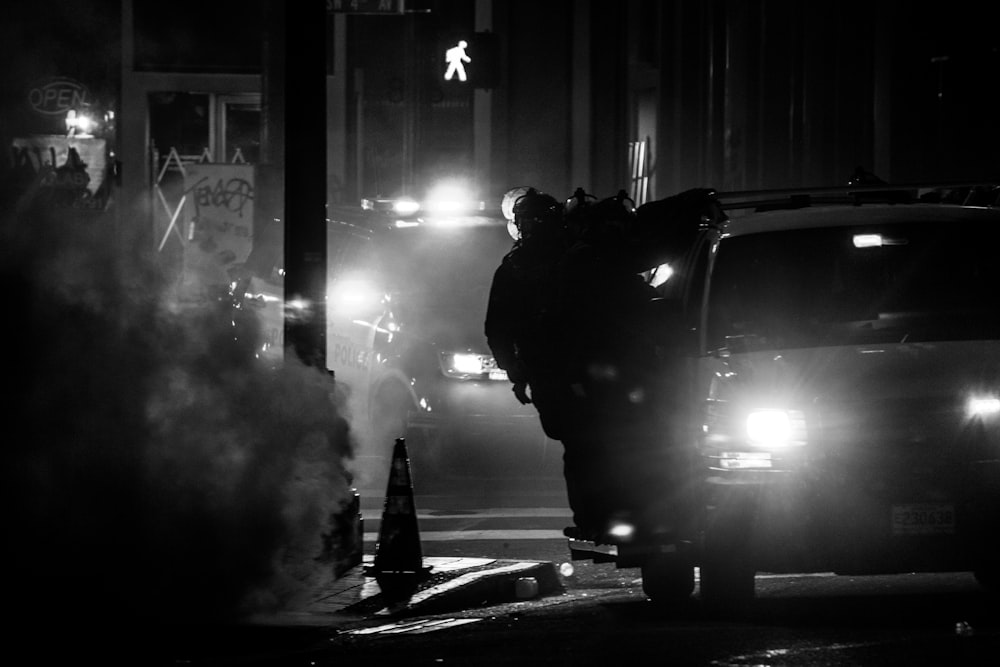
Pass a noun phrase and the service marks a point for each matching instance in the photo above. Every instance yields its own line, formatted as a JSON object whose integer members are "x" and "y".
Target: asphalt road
{"x": 601, "y": 617}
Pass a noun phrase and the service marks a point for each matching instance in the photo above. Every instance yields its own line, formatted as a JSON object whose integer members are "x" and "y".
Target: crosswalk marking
{"x": 495, "y": 524}
{"x": 501, "y": 535}
{"x": 513, "y": 512}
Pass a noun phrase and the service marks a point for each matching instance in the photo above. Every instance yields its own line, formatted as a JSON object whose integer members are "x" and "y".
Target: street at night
{"x": 498, "y": 332}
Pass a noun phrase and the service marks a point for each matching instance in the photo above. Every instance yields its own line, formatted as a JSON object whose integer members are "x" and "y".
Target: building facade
{"x": 646, "y": 95}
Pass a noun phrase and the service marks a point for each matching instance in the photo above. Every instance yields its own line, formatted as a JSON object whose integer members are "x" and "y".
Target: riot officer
{"x": 523, "y": 291}
{"x": 604, "y": 304}
{"x": 528, "y": 340}
{"x": 562, "y": 321}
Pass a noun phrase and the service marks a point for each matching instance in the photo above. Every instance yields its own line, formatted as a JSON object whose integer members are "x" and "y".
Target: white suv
{"x": 843, "y": 375}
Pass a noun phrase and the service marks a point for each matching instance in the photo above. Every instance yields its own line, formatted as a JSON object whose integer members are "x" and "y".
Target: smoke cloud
{"x": 154, "y": 467}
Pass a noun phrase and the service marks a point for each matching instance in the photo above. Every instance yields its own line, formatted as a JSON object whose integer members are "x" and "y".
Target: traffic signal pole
{"x": 301, "y": 118}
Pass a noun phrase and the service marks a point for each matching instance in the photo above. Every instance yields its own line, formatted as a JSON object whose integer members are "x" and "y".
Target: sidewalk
{"x": 446, "y": 585}
{"x": 453, "y": 584}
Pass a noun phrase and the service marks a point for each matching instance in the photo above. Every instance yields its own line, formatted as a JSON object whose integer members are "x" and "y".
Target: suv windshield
{"x": 855, "y": 285}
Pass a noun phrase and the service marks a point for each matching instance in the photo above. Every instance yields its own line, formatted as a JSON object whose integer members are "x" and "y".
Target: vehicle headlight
{"x": 758, "y": 438}
{"x": 771, "y": 428}
{"x": 983, "y": 407}
{"x": 471, "y": 366}
{"x": 467, "y": 363}
{"x": 405, "y": 207}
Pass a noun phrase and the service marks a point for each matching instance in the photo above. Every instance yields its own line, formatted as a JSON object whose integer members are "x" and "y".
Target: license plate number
{"x": 923, "y": 519}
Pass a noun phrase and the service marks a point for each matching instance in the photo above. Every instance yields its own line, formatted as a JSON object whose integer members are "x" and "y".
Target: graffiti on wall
{"x": 71, "y": 170}
{"x": 219, "y": 210}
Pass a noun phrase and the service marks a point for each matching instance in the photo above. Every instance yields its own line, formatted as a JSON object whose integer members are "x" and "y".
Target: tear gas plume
{"x": 158, "y": 469}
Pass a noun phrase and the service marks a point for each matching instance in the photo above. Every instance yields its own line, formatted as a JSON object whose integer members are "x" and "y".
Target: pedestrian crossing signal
{"x": 456, "y": 59}
{"x": 473, "y": 61}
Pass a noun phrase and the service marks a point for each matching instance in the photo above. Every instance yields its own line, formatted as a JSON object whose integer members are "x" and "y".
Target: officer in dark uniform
{"x": 562, "y": 321}
{"x": 529, "y": 342}
{"x": 521, "y": 298}
{"x": 571, "y": 320}
{"x": 604, "y": 304}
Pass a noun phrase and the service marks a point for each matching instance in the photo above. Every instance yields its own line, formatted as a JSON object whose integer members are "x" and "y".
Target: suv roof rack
{"x": 966, "y": 193}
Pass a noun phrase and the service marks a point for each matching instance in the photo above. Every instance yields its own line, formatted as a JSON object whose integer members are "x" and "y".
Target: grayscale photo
{"x": 501, "y": 332}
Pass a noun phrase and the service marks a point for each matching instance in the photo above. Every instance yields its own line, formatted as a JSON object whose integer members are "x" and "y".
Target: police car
{"x": 407, "y": 291}
{"x": 844, "y": 375}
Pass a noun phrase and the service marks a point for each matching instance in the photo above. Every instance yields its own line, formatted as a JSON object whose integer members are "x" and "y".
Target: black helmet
{"x": 535, "y": 212}
{"x": 608, "y": 220}
{"x": 578, "y": 201}
{"x": 621, "y": 207}
{"x": 577, "y": 209}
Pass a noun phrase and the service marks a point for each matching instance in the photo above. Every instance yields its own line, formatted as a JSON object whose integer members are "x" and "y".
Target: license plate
{"x": 923, "y": 519}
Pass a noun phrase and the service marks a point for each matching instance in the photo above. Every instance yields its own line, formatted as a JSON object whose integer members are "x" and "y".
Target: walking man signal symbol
{"x": 456, "y": 58}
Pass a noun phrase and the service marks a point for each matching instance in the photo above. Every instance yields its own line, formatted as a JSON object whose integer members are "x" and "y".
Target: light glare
{"x": 352, "y": 296}
{"x": 661, "y": 274}
{"x": 79, "y": 124}
{"x": 467, "y": 363}
{"x": 621, "y": 530}
{"x": 448, "y": 197}
{"x": 867, "y": 240}
{"x": 769, "y": 427}
{"x": 983, "y": 407}
{"x": 447, "y": 206}
{"x": 405, "y": 207}
{"x": 471, "y": 366}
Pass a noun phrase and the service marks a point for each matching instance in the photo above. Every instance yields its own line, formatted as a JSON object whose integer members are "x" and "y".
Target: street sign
{"x": 365, "y": 6}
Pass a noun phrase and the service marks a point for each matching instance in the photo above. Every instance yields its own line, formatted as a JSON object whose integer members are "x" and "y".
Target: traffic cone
{"x": 397, "y": 553}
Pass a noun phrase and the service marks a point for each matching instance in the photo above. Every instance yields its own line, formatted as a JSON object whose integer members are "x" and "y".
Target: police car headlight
{"x": 471, "y": 366}
{"x": 405, "y": 207}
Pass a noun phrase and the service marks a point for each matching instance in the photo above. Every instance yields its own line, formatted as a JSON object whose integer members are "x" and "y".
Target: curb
{"x": 500, "y": 582}
{"x": 452, "y": 585}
